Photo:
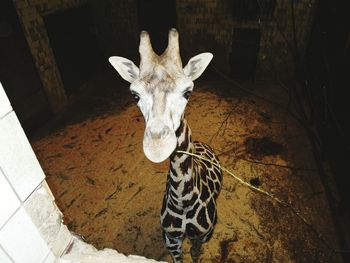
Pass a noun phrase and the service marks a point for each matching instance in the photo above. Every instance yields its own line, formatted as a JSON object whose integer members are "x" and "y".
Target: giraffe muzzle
{"x": 158, "y": 143}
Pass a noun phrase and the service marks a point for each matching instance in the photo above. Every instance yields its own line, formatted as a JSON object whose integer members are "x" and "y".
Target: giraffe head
{"x": 161, "y": 88}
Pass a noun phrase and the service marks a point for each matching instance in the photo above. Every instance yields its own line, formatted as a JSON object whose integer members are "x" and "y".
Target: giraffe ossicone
{"x": 161, "y": 88}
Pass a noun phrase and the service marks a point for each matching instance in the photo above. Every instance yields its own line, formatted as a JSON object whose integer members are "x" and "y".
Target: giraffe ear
{"x": 197, "y": 64}
{"x": 125, "y": 67}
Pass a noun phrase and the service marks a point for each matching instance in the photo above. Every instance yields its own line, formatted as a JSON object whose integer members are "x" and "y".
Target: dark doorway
{"x": 18, "y": 73}
{"x": 73, "y": 40}
{"x": 157, "y": 17}
{"x": 253, "y": 10}
{"x": 245, "y": 49}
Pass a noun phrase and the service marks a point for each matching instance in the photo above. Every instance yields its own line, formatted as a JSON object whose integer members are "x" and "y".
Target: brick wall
{"x": 207, "y": 25}
{"x": 204, "y": 25}
{"x": 19, "y": 74}
{"x": 274, "y": 51}
{"x": 117, "y": 31}
{"x": 30, "y": 13}
{"x": 117, "y": 27}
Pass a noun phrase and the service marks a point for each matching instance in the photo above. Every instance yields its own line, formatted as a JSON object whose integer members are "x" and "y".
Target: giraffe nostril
{"x": 156, "y": 135}
{"x": 148, "y": 133}
{"x": 164, "y": 132}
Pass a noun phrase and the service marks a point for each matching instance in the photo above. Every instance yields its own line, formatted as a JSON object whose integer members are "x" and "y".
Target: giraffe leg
{"x": 174, "y": 246}
{"x": 196, "y": 250}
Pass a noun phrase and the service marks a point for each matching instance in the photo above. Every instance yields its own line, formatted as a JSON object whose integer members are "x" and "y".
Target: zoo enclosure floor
{"x": 111, "y": 194}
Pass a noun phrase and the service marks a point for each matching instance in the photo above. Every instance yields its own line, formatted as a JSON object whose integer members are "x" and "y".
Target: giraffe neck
{"x": 180, "y": 181}
{"x": 180, "y": 163}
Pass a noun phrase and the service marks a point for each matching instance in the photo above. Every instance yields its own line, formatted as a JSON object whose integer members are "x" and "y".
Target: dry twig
{"x": 278, "y": 200}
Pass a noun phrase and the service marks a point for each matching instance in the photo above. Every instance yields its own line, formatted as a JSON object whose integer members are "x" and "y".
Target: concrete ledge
{"x": 85, "y": 253}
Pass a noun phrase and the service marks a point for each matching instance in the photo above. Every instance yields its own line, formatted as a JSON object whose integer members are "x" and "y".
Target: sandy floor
{"x": 111, "y": 194}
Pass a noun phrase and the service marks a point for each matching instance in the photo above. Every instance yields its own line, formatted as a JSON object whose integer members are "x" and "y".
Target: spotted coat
{"x": 189, "y": 204}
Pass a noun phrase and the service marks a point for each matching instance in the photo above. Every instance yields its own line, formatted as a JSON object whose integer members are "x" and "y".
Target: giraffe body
{"x": 189, "y": 204}
{"x": 161, "y": 88}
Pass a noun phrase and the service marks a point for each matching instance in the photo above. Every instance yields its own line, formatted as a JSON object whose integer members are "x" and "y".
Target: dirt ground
{"x": 111, "y": 194}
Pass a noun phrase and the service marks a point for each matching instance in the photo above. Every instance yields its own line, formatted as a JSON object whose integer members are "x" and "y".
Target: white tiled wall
{"x": 18, "y": 160}
{"x": 9, "y": 200}
{"x": 31, "y": 228}
{"x": 21, "y": 239}
{"x": 20, "y": 176}
{"x": 50, "y": 258}
{"x": 3, "y": 257}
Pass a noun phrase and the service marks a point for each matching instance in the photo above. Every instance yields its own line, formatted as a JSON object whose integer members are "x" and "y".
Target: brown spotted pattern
{"x": 189, "y": 204}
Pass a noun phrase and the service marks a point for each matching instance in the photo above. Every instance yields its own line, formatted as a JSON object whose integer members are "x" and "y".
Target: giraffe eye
{"x": 136, "y": 97}
{"x": 187, "y": 94}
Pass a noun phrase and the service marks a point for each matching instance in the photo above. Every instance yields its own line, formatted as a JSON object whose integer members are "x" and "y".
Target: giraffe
{"x": 161, "y": 88}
